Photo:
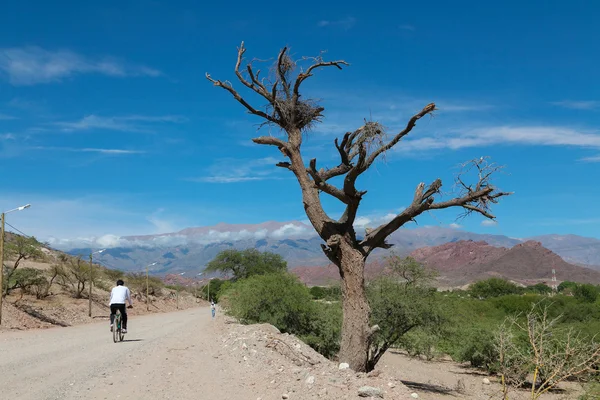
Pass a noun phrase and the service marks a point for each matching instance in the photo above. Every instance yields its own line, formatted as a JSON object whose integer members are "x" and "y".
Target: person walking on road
{"x": 212, "y": 308}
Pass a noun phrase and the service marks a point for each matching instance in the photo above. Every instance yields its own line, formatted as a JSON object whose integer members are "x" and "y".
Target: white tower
{"x": 554, "y": 285}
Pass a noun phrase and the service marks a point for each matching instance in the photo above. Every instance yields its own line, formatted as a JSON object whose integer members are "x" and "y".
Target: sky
{"x": 108, "y": 125}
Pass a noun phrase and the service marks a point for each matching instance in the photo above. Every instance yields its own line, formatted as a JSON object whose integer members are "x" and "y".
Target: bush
{"x": 30, "y": 280}
{"x": 113, "y": 275}
{"x": 328, "y": 293}
{"x": 420, "y": 342}
{"x": 493, "y": 287}
{"x": 325, "y": 329}
{"x": 586, "y": 292}
{"x": 479, "y": 349}
{"x": 400, "y": 303}
{"x": 278, "y": 299}
{"x": 216, "y": 286}
{"x": 137, "y": 284}
{"x": 283, "y": 301}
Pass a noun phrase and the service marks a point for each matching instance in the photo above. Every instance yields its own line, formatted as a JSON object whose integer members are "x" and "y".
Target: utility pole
{"x": 91, "y": 283}
{"x": 3, "y": 217}
{"x": 1, "y": 266}
{"x": 92, "y": 279}
{"x": 148, "y": 287}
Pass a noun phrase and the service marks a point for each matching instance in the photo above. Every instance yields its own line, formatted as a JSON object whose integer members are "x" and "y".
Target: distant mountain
{"x": 463, "y": 262}
{"x": 192, "y": 248}
{"x": 573, "y": 248}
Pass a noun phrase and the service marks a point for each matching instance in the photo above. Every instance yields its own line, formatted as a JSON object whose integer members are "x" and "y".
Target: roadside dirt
{"x": 188, "y": 355}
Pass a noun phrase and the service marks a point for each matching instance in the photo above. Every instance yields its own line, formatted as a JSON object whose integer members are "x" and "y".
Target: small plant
{"x": 549, "y": 354}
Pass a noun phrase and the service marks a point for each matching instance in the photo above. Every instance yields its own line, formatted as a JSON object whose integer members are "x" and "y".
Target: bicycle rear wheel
{"x": 117, "y": 327}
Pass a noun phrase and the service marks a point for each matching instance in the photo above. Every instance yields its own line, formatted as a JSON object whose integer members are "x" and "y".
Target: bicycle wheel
{"x": 117, "y": 327}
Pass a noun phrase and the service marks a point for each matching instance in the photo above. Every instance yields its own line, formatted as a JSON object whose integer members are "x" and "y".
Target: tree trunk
{"x": 354, "y": 347}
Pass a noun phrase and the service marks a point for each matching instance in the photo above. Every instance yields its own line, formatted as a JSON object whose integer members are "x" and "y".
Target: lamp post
{"x": 92, "y": 279}
{"x": 209, "y": 289}
{"x": 2, "y": 217}
{"x": 147, "y": 286}
{"x": 197, "y": 282}
{"x": 181, "y": 274}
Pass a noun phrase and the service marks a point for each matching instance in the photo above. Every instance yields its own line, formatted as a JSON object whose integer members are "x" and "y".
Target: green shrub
{"x": 493, "y": 287}
{"x": 281, "y": 300}
{"x": 278, "y": 299}
{"x": 478, "y": 348}
{"x": 325, "y": 329}
{"x": 591, "y": 391}
{"x": 586, "y": 292}
{"x": 113, "y": 275}
{"x": 420, "y": 342}
{"x": 216, "y": 286}
{"x": 329, "y": 293}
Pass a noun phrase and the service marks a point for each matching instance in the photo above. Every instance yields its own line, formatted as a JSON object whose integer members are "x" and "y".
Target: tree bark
{"x": 354, "y": 347}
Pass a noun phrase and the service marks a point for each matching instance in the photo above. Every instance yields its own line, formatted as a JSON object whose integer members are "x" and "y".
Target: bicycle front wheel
{"x": 116, "y": 328}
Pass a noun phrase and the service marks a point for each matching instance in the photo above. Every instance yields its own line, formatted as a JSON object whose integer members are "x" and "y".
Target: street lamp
{"x": 209, "y": 289}
{"x": 147, "y": 285}
{"x": 92, "y": 278}
{"x": 2, "y": 253}
{"x": 181, "y": 274}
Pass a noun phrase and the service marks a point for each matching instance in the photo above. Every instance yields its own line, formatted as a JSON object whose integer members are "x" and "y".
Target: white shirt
{"x": 119, "y": 294}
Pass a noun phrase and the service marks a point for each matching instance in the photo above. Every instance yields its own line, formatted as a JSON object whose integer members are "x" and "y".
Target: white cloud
{"x": 373, "y": 220}
{"x": 91, "y": 150}
{"x": 488, "y": 222}
{"x": 230, "y": 170}
{"x": 593, "y": 159}
{"x": 131, "y": 123}
{"x": 407, "y": 27}
{"x": 34, "y": 65}
{"x": 344, "y": 23}
{"x": 455, "y": 226}
{"x": 290, "y": 230}
{"x": 578, "y": 105}
{"x": 6, "y": 117}
{"x": 503, "y": 135}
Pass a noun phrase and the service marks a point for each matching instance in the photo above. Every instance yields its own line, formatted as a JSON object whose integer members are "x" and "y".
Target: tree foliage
{"x": 18, "y": 249}
{"x": 246, "y": 263}
{"x": 280, "y": 299}
{"x": 493, "y": 287}
{"x": 401, "y": 302}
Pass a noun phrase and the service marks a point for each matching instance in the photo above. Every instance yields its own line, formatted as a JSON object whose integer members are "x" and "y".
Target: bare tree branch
{"x": 255, "y": 85}
{"x": 469, "y": 199}
{"x": 411, "y": 124}
{"x": 319, "y": 63}
{"x": 227, "y": 86}
{"x": 324, "y": 186}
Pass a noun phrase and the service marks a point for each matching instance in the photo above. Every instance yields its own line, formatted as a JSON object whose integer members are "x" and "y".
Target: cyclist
{"x": 118, "y": 295}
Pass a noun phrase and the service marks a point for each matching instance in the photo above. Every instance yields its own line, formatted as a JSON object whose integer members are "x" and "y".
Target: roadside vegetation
{"x": 527, "y": 336}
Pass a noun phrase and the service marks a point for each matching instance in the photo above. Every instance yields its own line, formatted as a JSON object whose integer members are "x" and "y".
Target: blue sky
{"x": 108, "y": 125}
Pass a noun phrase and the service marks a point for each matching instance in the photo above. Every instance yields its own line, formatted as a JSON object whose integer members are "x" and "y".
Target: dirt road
{"x": 165, "y": 356}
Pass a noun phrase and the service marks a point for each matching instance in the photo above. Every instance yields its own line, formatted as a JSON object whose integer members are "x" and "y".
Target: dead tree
{"x": 288, "y": 110}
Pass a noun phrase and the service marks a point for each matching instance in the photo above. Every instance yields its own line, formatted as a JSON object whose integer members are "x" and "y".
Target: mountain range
{"x": 189, "y": 250}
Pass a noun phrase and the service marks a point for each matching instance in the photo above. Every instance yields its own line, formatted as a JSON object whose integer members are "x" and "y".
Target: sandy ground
{"x": 178, "y": 355}
{"x": 434, "y": 380}
{"x": 188, "y": 355}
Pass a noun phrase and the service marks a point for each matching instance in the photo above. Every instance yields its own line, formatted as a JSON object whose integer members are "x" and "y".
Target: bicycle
{"x": 117, "y": 332}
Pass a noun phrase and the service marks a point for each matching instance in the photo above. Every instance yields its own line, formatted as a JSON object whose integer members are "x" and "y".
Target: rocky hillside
{"x": 466, "y": 261}
{"x": 463, "y": 262}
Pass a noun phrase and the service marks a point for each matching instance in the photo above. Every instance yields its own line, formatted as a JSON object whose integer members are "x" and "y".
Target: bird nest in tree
{"x": 372, "y": 136}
